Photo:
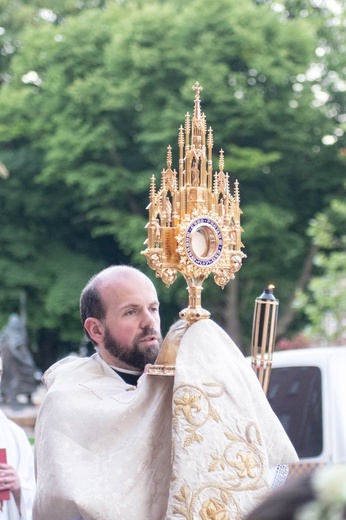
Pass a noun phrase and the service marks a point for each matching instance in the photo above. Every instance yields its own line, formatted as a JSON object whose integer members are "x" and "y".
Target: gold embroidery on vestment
{"x": 236, "y": 466}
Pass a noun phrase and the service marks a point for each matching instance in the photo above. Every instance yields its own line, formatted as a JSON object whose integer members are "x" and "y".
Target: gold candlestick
{"x": 264, "y": 335}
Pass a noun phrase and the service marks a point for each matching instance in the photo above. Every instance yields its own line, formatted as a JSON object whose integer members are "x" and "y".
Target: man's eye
{"x": 154, "y": 310}
{"x": 130, "y": 312}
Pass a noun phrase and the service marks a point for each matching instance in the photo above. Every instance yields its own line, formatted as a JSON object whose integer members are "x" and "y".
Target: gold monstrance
{"x": 194, "y": 220}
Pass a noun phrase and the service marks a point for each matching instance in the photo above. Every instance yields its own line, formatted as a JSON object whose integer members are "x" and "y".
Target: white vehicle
{"x": 307, "y": 391}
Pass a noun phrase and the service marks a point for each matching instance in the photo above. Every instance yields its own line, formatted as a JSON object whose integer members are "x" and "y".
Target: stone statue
{"x": 18, "y": 365}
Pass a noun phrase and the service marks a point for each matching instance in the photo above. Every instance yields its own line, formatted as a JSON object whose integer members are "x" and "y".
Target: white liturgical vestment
{"x": 20, "y": 456}
{"x": 195, "y": 446}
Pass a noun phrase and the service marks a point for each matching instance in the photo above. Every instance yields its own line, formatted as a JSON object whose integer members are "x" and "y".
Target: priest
{"x": 115, "y": 442}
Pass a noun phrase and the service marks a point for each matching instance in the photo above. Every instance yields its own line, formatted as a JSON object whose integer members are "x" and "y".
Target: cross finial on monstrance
{"x": 194, "y": 219}
{"x": 198, "y": 89}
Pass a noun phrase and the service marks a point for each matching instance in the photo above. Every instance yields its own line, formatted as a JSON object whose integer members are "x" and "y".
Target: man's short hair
{"x": 91, "y": 304}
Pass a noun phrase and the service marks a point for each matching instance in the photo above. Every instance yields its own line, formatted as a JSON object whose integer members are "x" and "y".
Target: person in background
{"x": 18, "y": 474}
{"x": 19, "y": 367}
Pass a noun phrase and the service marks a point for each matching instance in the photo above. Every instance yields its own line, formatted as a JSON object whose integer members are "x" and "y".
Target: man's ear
{"x": 95, "y": 329}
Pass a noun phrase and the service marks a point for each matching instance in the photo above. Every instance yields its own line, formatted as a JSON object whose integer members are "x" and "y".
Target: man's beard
{"x": 132, "y": 354}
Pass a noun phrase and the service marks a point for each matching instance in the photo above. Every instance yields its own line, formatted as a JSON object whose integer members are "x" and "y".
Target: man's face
{"x": 134, "y": 355}
{"x": 131, "y": 328}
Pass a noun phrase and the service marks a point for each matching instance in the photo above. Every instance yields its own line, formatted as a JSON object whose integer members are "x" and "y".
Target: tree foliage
{"x": 324, "y": 301}
{"x": 93, "y": 93}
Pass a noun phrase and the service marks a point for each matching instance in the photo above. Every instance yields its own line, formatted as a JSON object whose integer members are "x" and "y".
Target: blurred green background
{"x": 92, "y": 93}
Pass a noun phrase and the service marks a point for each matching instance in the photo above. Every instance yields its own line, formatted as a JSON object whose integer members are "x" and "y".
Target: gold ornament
{"x": 194, "y": 220}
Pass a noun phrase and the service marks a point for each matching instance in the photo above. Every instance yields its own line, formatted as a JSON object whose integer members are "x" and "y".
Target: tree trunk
{"x": 287, "y": 318}
{"x": 48, "y": 342}
{"x": 230, "y": 312}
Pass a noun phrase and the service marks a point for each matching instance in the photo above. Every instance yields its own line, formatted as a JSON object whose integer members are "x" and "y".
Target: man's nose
{"x": 149, "y": 320}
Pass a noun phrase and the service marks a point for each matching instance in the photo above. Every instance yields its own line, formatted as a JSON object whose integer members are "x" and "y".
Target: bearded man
{"x": 97, "y": 447}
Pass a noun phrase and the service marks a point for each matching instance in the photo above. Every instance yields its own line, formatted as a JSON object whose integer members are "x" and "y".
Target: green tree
{"x": 92, "y": 97}
{"x": 324, "y": 301}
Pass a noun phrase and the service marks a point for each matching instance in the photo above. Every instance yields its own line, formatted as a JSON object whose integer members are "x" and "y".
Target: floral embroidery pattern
{"x": 234, "y": 467}
{"x": 214, "y": 509}
{"x": 241, "y": 453}
{"x": 196, "y": 406}
{"x": 220, "y": 506}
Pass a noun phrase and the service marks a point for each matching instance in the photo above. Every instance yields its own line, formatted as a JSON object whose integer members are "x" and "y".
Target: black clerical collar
{"x": 129, "y": 376}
